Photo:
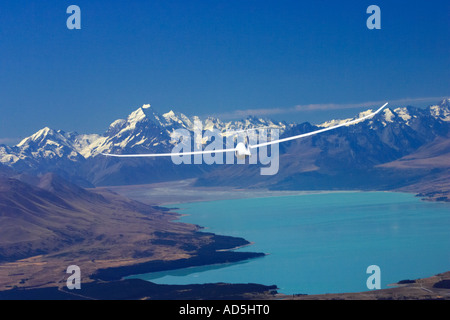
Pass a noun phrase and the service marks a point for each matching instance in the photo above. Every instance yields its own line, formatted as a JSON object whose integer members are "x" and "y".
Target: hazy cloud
{"x": 9, "y": 141}
{"x": 325, "y": 106}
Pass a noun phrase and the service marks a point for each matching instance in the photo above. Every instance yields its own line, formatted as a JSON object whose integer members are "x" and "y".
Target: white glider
{"x": 242, "y": 150}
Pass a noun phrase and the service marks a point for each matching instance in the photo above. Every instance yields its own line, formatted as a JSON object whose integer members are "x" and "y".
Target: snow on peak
{"x": 171, "y": 116}
{"x": 84, "y": 144}
{"x": 42, "y": 133}
{"x": 136, "y": 116}
{"x": 39, "y": 135}
{"x": 333, "y": 123}
{"x": 365, "y": 113}
{"x": 117, "y": 123}
{"x": 442, "y": 112}
{"x": 336, "y": 122}
{"x": 403, "y": 113}
{"x": 388, "y": 115}
{"x": 139, "y": 115}
{"x": 180, "y": 119}
{"x": 445, "y": 102}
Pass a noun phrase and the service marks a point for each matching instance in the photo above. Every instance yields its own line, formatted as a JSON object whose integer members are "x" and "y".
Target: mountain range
{"x": 49, "y": 221}
{"x": 399, "y": 147}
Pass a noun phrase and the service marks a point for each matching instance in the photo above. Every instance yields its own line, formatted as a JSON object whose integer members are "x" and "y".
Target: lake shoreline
{"x": 217, "y": 194}
{"x": 141, "y": 289}
{"x": 217, "y": 252}
{"x": 171, "y": 193}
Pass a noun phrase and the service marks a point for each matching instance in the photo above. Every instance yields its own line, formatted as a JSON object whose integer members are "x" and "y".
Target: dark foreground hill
{"x": 48, "y": 224}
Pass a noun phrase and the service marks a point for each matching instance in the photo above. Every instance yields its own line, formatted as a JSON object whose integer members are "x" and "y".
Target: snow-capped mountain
{"x": 390, "y": 135}
{"x": 441, "y": 111}
{"x": 402, "y": 114}
{"x": 145, "y": 130}
{"x": 351, "y": 157}
{"x": 45, "y": 145}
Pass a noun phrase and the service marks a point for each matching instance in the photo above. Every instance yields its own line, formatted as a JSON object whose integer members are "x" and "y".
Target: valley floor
{"x": 183, "y": 191}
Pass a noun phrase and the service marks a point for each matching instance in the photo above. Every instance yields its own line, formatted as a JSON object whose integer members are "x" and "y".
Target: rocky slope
{"x": 48, "y": 224}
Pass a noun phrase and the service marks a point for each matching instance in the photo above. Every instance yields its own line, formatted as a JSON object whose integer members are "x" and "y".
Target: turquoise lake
{"x": 322, "y": 243}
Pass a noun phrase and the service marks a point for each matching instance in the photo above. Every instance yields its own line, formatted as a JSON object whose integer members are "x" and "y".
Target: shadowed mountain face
{"x": 356, "y": 156}
{"x": 395, "y": 149}
{"x": 432, "y": 161}
{"x": 48, "y": 223}
{"x": 435, "y": 154}
{"x": 31, "y": 220}
{"x": 6, "y": 171}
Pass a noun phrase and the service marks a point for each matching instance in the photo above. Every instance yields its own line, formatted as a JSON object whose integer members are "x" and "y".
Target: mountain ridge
{"x": 389, "y": 136}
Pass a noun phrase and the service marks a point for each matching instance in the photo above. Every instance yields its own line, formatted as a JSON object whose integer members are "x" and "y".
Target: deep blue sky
{"x": 203, "y": 57}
